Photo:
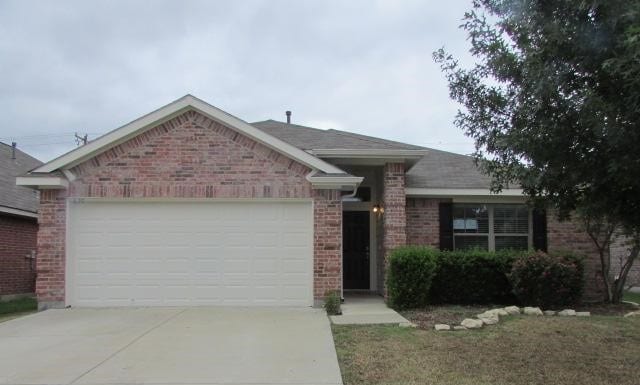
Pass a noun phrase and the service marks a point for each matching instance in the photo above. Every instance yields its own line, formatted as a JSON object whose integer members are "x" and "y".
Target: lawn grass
{"x": 520, "y": 350}
{"x": 17, "y": 308}
{"x": 633, "y": 297}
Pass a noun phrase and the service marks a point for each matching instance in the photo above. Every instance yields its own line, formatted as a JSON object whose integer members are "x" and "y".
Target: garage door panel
{"x": 266, "y": 265}
{"x": 176, "y": 254}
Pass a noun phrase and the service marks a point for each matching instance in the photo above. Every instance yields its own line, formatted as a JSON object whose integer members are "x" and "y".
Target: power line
{"x": 51, "y": 135}
{"x": 45, "y": 144}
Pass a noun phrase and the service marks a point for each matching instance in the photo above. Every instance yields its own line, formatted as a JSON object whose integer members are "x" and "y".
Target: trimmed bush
{"x": 332, "y": 303}
{"x": 548, "y": 281}
{"x": 409, "y": 275}
{"x": 473, "y": 277}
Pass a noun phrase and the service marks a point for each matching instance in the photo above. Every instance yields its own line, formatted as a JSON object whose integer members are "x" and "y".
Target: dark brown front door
{"x": 355, "y": 249}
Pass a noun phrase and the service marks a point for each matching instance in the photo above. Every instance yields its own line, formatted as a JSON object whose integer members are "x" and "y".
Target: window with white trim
{"x": 491, "y": 226}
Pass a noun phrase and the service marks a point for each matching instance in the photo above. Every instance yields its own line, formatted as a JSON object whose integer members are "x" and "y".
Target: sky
{"x": 89, "y": 67}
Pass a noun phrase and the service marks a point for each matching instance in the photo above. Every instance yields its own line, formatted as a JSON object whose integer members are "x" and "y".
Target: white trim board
{"x": 368, "y": 153}
{"x": 182, "y": 105}
{"x": 43, "y": 182}
{"x": 22, "y": 213}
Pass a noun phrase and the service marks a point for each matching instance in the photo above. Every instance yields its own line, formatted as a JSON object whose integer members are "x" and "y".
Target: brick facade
{"x": 327, "y": 242}
{"x": 423, "y": 222}
{"x": 17, "y": 243}
{"x": 189, "y": 156}
{"x": 51, "y": 249}
{"x": 567, "y": 236}
{"x": 394, "y": 203}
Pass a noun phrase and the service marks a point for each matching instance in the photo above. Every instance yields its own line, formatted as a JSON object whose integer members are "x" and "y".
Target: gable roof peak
{"x": 171, "y": 110}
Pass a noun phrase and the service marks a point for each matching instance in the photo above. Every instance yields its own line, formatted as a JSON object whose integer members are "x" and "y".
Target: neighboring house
{"x": 18, "y": 224}
{"x": 189, "y": 205}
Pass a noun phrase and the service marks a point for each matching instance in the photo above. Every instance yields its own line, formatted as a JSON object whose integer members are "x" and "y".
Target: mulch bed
{"x": 454, "y": 314}
{"x": 607, "y": 309}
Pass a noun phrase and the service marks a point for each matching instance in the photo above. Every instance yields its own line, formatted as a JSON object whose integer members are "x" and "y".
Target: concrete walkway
{"x": 169, "y": 346}
{"x": 362, "y": 309}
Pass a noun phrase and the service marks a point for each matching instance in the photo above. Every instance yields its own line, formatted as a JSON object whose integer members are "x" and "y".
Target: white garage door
{"x": 190, "y": 253}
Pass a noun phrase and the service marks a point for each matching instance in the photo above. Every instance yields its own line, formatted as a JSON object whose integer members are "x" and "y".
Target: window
{"x": 491, "y": 227}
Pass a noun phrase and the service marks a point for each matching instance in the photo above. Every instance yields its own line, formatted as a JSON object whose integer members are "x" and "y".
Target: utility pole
{"x": 81, "y": 140}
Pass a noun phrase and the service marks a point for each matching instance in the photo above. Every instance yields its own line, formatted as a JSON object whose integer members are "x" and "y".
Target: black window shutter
{"x": 540, "y": 230}
{"x": 446, "y": 226}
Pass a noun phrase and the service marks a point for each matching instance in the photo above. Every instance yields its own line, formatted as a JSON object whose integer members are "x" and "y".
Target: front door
{"x": 355, "y": 249}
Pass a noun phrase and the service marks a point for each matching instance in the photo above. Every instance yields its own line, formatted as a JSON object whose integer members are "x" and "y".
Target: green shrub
{"x": 473, "y": 277}
{"x": 332, "y": 303}
{"x": 548, "y": 281}
{"x": 410, "y": 271}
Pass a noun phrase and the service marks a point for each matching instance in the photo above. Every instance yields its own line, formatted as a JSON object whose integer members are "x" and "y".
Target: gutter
{"x": 334, "y": 182}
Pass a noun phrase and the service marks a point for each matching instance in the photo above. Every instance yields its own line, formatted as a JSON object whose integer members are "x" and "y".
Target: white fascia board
{"x": 368, "y": 153}
{"x": 458, "y": 192}
{"x": 171, "y": 110}
{"x": 334, "y": 182}
{"x": 22, "y": 213}
{"x": 42, "y": 182}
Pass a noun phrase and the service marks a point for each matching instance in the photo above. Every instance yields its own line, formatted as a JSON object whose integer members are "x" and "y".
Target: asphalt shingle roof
{"x": 308, "y": 138}
{"x": 13, "y": 196}
{"x": 437, "y": 169}
{"x": 441, "y": 169}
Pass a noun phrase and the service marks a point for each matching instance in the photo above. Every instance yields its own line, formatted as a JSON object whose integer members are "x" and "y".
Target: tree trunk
{"x": 605, "y": 275}
{"x": 618, "y": 285}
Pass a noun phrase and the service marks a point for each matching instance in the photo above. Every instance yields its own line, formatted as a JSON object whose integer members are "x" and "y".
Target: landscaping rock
{"x": 633, "y": 314}
{"x": 441, "y": 327}
{"x": 512, "y": 310}
{"x": 407, "y": 325}
{"x": 500, "y": 312}
{"x": 567, "y": 313}
{"x": 459, "y": 327}
{"x": 549, "y": 312}
{"x": 532, "y": 311}
{"x": 583, "y": 314}
{"x": 471, "y": 323}
{"x": 491, "y": 319}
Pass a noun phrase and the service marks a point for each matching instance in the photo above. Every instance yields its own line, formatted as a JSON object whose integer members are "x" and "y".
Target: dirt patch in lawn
{"x": 521, "y": 350}
{"x": 449, "y": 314}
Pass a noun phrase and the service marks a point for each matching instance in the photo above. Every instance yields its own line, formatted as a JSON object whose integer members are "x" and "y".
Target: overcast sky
{"x": 361, "y": 66}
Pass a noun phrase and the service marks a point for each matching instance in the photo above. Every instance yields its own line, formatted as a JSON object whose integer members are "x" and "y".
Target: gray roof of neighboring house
{"x": 308, "y": 138}
{"x": 437, "y": 169}
{"x": 12, "y": 196}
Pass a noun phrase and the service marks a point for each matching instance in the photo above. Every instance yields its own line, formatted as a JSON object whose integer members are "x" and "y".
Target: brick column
{"x": 50, "y": 257}
{"x": 327, "y": 243}
{"x": 394, "y": 203}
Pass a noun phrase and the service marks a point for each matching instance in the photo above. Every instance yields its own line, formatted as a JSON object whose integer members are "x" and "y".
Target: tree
{"x": 553, "y": 104}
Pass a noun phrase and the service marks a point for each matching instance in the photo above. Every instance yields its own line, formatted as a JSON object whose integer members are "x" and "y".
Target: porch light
{"x": 378, "y": 209}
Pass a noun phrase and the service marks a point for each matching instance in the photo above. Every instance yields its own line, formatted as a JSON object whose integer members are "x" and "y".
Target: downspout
{"x": 353, "y": 194}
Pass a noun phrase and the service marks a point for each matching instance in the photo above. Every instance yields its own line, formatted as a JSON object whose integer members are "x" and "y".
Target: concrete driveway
{"x": 169, "y": 346}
